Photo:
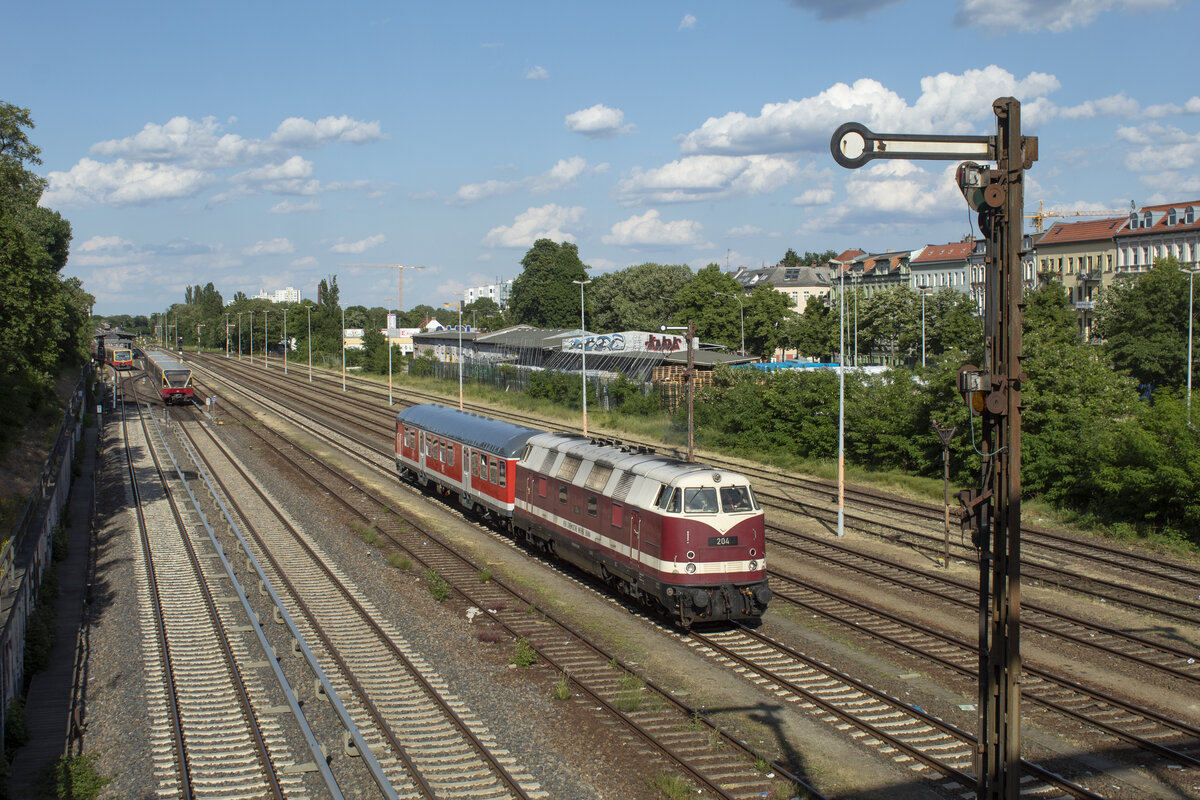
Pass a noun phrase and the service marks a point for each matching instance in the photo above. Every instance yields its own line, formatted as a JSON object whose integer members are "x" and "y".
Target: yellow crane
{"x": 1042, "y": 215}
{"x": 400, "y": 275}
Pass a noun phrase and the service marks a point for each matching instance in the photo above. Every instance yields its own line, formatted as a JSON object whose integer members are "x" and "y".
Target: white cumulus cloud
{"x": 704, "y": 178}
{"x": 560, "y": 176}
{"x": 649, "y": 229}
{"x": 543, "y": 222}
{"x": 122, "y": 183}
{"x": 598, "y": 122}
{"x": 687, "y": 23}
{"x": 536, "y": 74}
{"x": 1055, "y": 16}
{"x": 270, "y": 247}
{"x": 362, "y": 245}
{"x": 949, "y": 103}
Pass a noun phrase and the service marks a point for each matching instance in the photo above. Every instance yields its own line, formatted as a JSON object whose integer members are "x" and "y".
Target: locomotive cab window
{"x": 700, "y": 501}
{"x": 591, "y": 505}
{"x": 737, "y": 499}
{"x": 670, "y": 500}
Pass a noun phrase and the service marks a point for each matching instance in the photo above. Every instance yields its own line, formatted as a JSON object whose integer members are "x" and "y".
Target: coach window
{"x": 493, "y": 470}
{"x": 562, "y": 494}
{"x": 503, "y": 473}
{"x": 475, "y": 464}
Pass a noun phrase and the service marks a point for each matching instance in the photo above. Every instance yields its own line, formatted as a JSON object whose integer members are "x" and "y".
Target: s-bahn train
{"x": 118, "y": 356}
{"x": 173, "y": 377}
{"x": 683, "y": 538}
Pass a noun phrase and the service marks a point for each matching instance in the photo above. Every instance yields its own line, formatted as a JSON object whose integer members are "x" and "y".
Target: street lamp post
{"x": 741, "y": 316}
{"x": 266, "y": 340}
{"x": 239, "y": 336}
{"x": 227, "y": 334}
{"x": 285, "y": 341}
{"x": 924, "y": 290}
{"x": 343, "y": 349}
{"x": 1191, "y": 273}
{"x": 583, "y": 350}
{"x": 199, "y": 325}
{"x": 251, "y": 337}
{"x": 309, "y": 343}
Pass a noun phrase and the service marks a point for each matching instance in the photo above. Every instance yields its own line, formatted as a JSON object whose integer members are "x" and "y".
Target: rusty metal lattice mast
{"x": 993, "y": 392}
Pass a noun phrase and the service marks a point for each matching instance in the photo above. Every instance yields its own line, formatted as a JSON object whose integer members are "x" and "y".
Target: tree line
{"x": 44, "y": 317}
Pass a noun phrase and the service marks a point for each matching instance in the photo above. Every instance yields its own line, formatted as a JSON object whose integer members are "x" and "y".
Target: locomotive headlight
{"x": 753, "y": 565}
{"x": 691, "y": 569}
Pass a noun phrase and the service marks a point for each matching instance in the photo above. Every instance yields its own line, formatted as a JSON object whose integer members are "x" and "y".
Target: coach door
{"x": 635, "y": 536}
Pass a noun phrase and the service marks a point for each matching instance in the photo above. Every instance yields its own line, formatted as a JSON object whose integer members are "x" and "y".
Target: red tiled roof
{"x": 933, "y": 253}
{"x": 847, "y": 255}
{"x": 1092, "y": 230}
{"x": 1159, "y": 224}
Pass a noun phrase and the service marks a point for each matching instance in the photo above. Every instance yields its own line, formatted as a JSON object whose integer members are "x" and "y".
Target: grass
{"x": 673, "y": 787}
{"x": 438, "y": 586}
{"x": 632, "y": 693}
{"x": 399, "y": 561}
{"x": 523, "y": 653}
{"x": 76, "y": 778}
{"x": 485, "y": 575}
{"x": 562, "y": 688}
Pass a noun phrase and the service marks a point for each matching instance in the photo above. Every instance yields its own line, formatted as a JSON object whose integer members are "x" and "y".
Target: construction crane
{"x": 1041, "y": 216}
{"x": 400, "y": 275}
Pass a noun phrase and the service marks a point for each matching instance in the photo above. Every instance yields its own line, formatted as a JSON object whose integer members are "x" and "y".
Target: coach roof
{"x": 481, "y": 433}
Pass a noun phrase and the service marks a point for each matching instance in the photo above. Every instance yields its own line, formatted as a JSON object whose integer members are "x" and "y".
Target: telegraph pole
{"x": 993, "y": 512}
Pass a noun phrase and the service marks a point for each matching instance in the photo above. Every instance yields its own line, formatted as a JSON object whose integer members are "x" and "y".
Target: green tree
{"x": 543, "y": 295}
{"x": 814, "y": 333}
{"x": 790, "y": 259}
{"x": 631, "y": 299}
{"x": 45, "y": 317}
{"x": 1143, "y": 319}
{"x": 483, "y": 314}
{"x": 767, "y": 318}
{"x": 716, "y": 318}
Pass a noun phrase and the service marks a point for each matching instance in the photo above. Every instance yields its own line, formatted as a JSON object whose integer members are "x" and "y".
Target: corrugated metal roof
{"x": 481, "y": 433}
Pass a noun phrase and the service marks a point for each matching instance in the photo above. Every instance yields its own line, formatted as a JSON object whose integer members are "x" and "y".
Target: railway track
{"x": 635, "y": 709}
{"x": 217, "y": 729}
{"x": 427, "y": 741}
{"x": 1134, "y": 718}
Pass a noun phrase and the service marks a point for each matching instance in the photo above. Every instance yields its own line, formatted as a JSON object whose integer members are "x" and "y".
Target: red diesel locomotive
{"x": 685, "y": 538}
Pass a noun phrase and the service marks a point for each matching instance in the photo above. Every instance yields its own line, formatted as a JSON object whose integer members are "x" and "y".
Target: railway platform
{"x": 47, "y": 704}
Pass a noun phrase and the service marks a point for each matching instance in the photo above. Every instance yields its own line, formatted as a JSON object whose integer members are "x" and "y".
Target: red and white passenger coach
{"x": 684, "y": 537}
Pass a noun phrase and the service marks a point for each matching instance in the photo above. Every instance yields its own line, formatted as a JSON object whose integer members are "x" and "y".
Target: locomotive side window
{"x": 700, "y": 501}
{"x": 503, "y": 473}
{"x": 591, "y": 505}
{"x": 493, "y": 471}
{"x": 617, "y": 517}
{"x": 736, "y": 499}
{"x": 475, "y": 464}
{"x": 562, "y": 494}
{"x": 671, "y": 501}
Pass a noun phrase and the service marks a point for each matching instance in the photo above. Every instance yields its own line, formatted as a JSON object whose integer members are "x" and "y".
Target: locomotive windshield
{"x": 737, "y": 499}
{"x": 700, "y": 501}
{"x": 177, "y": 378}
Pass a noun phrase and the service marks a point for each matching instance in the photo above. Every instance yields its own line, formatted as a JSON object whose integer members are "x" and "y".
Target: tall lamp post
{"x": 459, "y": 355}
{"x": 227, "y": 334}
{"x": 239, "y": 336}
{"x": 251, "y": 337}
{"x": 285, "y": 341}
{"x": 924, "y": 290}
{"x": 266, "y": 340}
{"x": 343, "y": 350}
{"x": 583, "y": 350}
{"x": 309, "y": 343}
{"x": 741, "y": 316}
{"x": 1192, "y": 272}
{"x": 199, "y": 325}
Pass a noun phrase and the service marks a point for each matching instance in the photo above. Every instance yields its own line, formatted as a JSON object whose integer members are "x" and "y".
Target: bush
{"x": 523, "y": 653}
{"x": 438, "y": 586}
{"x": 16, "y": 735}
{"x": 76, "y": 778}
{"x": 39, "y": 637}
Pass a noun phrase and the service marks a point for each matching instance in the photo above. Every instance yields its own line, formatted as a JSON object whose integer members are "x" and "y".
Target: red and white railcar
{"x": 461, "y": 454}
{"x": 684, "y": 536}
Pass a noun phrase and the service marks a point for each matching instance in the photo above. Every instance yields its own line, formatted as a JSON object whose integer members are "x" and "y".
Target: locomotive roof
{"x": 482, "y": 433}
{"x": 164, "y": 360}
{"x": 655, "y": 466}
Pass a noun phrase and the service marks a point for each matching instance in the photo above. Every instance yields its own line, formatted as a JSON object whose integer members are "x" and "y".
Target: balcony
{"x": 1085, "y": 305}
{"x": 1092, "y": 275}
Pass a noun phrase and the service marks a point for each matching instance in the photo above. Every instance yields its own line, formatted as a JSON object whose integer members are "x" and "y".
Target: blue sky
{"x": 263, "y": 145}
